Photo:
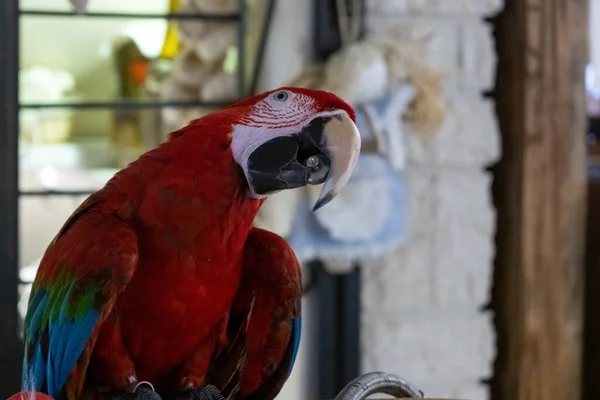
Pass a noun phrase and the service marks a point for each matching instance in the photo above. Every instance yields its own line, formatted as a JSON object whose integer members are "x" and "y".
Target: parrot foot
{"x": 206, "y": 392}
{"x": 141, "y": 391}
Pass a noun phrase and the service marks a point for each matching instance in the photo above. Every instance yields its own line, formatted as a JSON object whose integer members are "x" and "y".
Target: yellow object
{"x": 171, "y": 45}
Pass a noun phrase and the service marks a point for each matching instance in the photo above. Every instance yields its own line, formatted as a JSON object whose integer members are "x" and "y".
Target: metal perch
{"x": 378, "y": 383}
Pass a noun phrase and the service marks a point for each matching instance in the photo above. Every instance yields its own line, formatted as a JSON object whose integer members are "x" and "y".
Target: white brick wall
{"x": 422, "y": 316}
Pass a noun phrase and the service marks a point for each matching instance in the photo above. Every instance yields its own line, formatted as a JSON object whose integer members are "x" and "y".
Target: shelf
{"x": 120, "y": 104}
{"x": 200, "y": 16}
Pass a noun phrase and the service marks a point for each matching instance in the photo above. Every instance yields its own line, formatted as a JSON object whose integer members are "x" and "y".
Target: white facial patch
{"x": 246, "y": 139}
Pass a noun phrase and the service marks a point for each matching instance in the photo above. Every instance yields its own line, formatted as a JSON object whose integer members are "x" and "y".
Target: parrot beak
{"x": 324, "y": 151}
{"x": 342, "y": 145}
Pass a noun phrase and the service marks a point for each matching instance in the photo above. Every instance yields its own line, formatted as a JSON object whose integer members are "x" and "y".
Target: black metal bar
{"x": 241, "y": 70}
{"x": 56, "y": 192}
{"x": 594, "y": 125}
{"x": 339, "y": 325}
{"x": 349, "y": 289}
{"x": 11, "y": 349}
{"x": 128, "y": 104}
{"x": 327, "y": 39}
{"x": 177, "y": 16}
{"x": 264, "y": 38}
{"x": 591, "y": 355}
{"x": 339, "y": 304}
{"x": 328, "y": 324}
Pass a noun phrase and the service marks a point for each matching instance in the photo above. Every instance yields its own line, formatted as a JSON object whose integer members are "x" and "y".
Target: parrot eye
{"x": 282, "y": 95}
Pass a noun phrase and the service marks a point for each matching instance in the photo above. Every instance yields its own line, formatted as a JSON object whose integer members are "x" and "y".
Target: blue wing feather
{"x": 70, "y": 294}
{"x": 56, "y": 346}
{"x": 34, "y": 373}
{"x": 79, "y": 333}
{"x": 51, "y": 383}
{"x": 38, "y": 303}
{"x": 296, "y": 333}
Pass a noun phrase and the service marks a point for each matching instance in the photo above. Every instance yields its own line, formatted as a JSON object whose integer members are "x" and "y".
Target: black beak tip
{"x": 321, "y": 202}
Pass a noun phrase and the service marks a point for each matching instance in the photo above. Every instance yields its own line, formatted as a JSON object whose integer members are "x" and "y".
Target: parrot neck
{"x": 202, "y": 165}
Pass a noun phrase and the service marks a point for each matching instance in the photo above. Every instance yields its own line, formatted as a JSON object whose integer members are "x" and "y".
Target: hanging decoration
{"x": 394, "y": 92}
{"x": 200, "y": 70}
{"x": 80, "y": 6}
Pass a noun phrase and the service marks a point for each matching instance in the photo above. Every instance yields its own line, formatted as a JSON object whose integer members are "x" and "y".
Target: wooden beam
{"x": 540, "y": 194}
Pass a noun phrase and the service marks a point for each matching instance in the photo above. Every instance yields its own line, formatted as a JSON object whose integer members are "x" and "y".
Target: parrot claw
{"x": 206, "y": 392}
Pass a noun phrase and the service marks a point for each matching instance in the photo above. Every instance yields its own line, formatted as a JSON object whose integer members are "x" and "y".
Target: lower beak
{"x": 325, "y": 151}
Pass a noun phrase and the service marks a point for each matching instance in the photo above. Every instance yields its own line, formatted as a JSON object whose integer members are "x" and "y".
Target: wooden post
{"x": 540, "y": 194}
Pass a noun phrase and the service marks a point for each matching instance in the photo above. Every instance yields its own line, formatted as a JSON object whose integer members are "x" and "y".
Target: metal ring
{"x": 378, "y": 383}
{"x": 143, "y": 383}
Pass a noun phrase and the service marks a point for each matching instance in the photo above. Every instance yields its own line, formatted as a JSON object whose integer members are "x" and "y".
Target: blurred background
{"x": 399, "y": 271}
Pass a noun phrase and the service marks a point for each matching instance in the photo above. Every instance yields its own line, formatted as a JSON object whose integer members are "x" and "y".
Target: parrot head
{"x": 292, "y": 137}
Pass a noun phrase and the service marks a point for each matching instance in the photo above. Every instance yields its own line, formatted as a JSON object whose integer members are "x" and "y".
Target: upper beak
{"x": 342, "y": 145}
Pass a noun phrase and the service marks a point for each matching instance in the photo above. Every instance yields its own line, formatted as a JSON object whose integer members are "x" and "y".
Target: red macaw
{"x": 158, "y": 283}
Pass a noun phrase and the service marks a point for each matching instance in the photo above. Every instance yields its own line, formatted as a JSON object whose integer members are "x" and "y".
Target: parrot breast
{"x": 192, "y": 222}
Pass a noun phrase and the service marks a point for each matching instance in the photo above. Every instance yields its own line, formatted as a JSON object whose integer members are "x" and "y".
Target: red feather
{"x": 256, "y": 362}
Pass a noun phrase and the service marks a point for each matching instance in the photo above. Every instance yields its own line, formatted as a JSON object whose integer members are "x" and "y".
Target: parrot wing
{"x": 87, "y": 264}
{"x": 265, "y": 322}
